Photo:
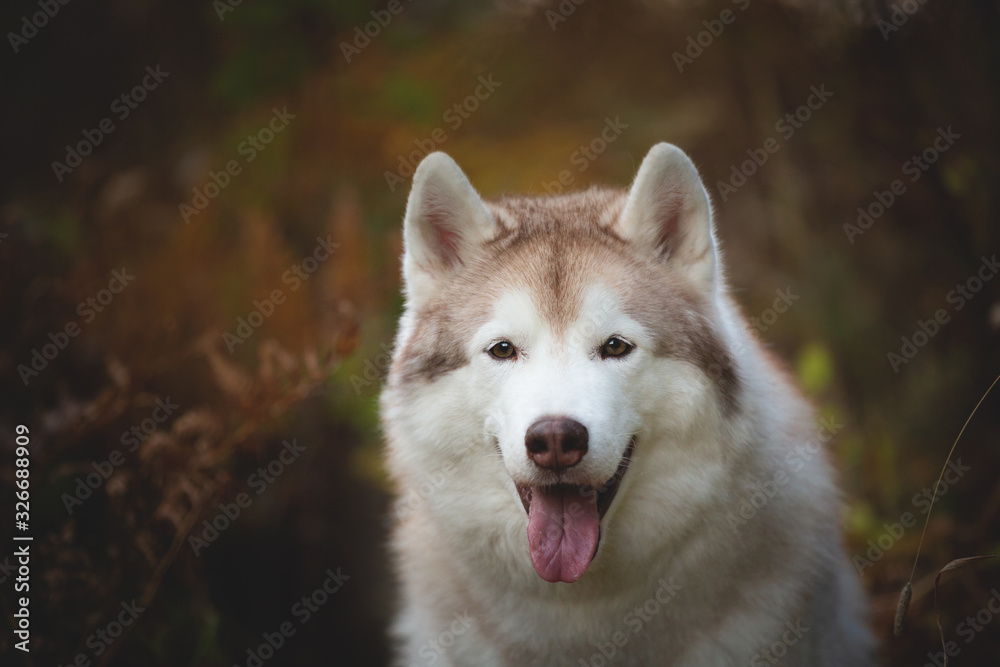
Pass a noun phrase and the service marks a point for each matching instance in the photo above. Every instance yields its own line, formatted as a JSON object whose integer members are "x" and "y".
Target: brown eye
{"x": 615, "y": 347}
{"x": 503, "y": 350}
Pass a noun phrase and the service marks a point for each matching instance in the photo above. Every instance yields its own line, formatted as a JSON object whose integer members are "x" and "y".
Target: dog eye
{"x": 503, "y": 350}
{"x": 615, "y": 347}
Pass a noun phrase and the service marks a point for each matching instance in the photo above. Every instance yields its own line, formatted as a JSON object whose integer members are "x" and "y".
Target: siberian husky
{"x": 596, "y": 461}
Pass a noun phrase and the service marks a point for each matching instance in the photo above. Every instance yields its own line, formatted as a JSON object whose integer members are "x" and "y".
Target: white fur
{"x": 667, "y": 191}
{"x": 470, "y": 595}
{"x": 559, "y": 376}
{"x": 442, "y": 200}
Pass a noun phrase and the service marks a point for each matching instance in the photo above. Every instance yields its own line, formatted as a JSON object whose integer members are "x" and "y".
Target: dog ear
{"x": 669, "y": 213}
{"x": 445, "y": 222}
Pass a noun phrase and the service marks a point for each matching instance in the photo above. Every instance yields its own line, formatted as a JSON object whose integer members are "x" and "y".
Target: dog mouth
{"x": 564, "y": 523}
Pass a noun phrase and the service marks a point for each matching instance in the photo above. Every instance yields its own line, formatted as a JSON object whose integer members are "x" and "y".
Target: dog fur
{"x": 721, "y": 545}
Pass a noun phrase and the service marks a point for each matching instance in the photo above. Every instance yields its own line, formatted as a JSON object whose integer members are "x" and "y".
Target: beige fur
{"x": 679, "y": 577}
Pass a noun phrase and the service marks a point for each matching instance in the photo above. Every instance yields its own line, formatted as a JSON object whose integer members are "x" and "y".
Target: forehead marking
{"x": 553, "y": 248}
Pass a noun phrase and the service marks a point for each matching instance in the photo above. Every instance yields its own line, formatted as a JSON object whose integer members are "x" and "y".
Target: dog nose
{"x": 556, "y": 442}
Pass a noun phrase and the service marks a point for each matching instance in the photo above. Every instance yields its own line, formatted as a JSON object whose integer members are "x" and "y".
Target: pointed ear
{"x": 445, "y": 223}
{"x": 668, "y": 212}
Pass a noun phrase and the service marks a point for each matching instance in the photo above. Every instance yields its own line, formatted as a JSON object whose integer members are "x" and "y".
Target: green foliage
{"x": 815, "y": 367}
{"x": 410, "y": 99}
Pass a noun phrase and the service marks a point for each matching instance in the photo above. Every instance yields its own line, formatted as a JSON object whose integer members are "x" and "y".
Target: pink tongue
{"x": 563, "y": 529}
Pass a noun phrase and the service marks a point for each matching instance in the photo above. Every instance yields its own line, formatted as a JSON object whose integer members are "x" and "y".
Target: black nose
{"x": 556, "y": 442}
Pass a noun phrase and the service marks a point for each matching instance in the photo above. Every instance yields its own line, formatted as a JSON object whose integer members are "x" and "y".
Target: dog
{"x": 596, "y": 460}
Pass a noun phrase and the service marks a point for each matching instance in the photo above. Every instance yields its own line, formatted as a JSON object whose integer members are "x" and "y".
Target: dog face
{"x": 565, "y": 331}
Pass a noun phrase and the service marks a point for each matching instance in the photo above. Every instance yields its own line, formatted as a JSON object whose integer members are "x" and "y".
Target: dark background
{"x": 311, "y": 371}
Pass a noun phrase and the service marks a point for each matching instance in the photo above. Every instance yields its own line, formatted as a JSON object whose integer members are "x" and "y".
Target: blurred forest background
{"x": 334, "y": 120}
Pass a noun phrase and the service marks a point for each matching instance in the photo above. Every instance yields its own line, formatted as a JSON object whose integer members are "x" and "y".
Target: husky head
{"x": 569, "y": 334}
